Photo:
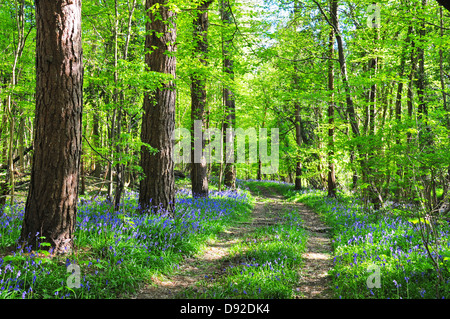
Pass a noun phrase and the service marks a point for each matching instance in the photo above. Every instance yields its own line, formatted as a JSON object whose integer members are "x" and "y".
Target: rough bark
{"x": 157, "y": 189}
{"x": 51, "y": 205}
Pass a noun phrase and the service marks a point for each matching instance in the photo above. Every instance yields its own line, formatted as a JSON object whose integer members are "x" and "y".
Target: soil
{"x": 314, "y": 280}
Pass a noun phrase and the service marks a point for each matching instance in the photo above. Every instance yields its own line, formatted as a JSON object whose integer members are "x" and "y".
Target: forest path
{"x": 210, "y": 262}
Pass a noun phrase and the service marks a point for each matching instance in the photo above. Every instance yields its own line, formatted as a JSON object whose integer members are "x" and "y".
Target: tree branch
{"x": 96, "y": 151}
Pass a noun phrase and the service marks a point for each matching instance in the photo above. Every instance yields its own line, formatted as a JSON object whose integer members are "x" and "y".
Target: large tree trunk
{"x": 199, "y": 177}
{"x": 51, "y": 205}
{"x": 157, "y": 189}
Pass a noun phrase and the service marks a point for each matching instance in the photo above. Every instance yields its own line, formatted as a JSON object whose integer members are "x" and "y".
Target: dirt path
{"x": 314, "y": 280}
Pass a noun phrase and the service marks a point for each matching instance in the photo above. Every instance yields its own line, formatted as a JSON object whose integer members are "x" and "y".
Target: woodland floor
{"x": 314, "y": 279}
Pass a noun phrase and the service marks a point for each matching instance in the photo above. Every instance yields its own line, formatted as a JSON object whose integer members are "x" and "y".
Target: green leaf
{"x": 413, "y": 220}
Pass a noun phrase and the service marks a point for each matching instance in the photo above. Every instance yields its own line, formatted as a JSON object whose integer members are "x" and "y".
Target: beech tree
{"x": 199, "y": 175}
{"x": 157, "y": 189}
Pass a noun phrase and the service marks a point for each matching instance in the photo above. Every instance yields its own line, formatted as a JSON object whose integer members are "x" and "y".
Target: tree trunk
{"x": 343, "y": 66}
{"x": 157, "y": 189}
{"x": 221, "y": 162}
{"x": 83, "y": 178}
{"x": 118, "y": 108}
{"x": 111, "y": 137}
{"x": 51, "y": 205}
{"x": 199, "y": 177}
{"x": 230, "y": 106}
{"x": 119, "y": 101}
{"x": 441, "y": 71}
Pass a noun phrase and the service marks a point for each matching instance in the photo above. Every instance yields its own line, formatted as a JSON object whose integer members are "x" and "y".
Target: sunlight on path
{"x": 314, "y": 279}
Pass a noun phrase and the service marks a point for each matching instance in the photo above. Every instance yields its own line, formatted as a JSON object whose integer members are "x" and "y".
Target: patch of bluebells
{"x": 268, "y": 263}
{"x": 9, "y": 225}
{"x": 157, "y": 233}
{"x": 119, "y": 237}
{"x": 18, "y": 275}
{"x": 362, "y": 238}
